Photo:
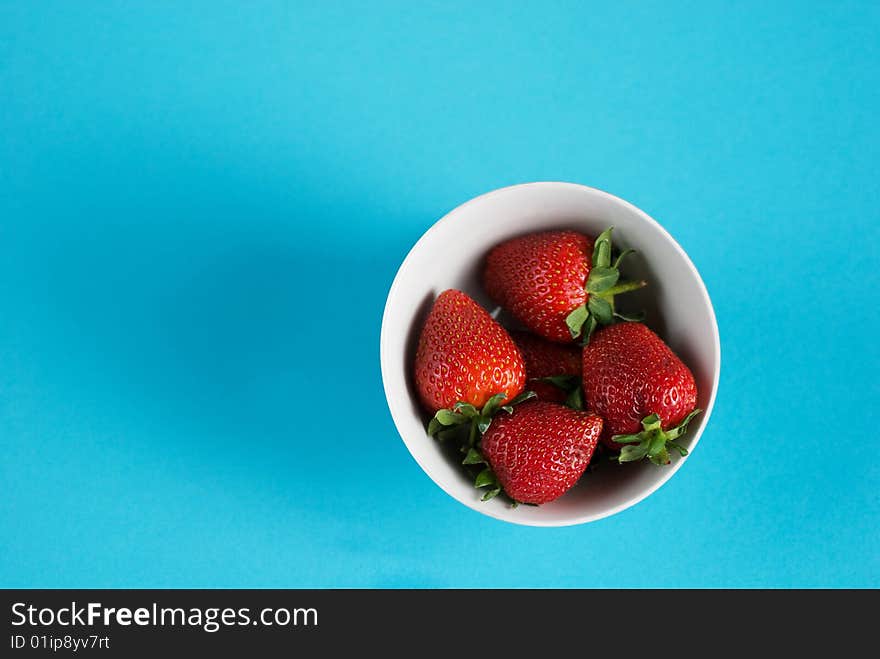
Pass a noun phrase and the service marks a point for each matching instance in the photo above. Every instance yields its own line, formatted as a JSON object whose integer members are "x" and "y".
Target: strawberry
{"x": 559, "y": 284}
{"x": 553, "y": 369}
{"x": 537, "y": 453}
{"x": 464, "y": 356}
{"x": 643, "y": 391}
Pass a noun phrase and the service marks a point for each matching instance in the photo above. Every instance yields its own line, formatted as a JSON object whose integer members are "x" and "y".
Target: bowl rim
{"x": 394, "y": 406}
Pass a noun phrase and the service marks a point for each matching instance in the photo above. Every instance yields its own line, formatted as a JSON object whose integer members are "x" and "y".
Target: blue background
{"x": 203, "y": 205}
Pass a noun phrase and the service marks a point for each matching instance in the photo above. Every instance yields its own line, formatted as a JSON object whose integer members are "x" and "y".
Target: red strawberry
{"x": 540, "y": 451}
{"x": 465, "y": 356}
{"x": 642, "y": 390}
{"x": 545, "y": 359}
{"x": 559, "y": 284}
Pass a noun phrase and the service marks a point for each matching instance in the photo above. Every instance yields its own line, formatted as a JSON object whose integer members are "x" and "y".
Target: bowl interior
{"x": 450, "y": 255}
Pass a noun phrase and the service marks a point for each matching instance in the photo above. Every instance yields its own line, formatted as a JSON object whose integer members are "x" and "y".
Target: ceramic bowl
{"x": 450, "y": 255}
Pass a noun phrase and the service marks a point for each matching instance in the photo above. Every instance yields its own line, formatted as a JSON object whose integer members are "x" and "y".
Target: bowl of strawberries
{"x": 549, "y": 353}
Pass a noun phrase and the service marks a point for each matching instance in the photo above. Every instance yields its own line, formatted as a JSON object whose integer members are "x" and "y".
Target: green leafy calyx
{"x": 653, "y": 442}
{"x": 602, "y": 285}
{"x": 573, "y": 387}
{"x": 468, "y": 424}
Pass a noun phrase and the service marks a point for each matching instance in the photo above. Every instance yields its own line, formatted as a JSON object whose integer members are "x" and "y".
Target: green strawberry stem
{"x": 601, "y": 285}
{"x": 445, "y": 422}
{"x": 653, "y": 441}
{"x": 624, "y": 287}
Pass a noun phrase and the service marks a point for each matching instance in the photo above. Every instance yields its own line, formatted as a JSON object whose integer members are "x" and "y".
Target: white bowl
{"x": 450, "y": 255}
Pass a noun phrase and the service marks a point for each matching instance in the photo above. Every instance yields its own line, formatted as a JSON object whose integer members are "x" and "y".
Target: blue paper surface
{"x": 203, "y": 204}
